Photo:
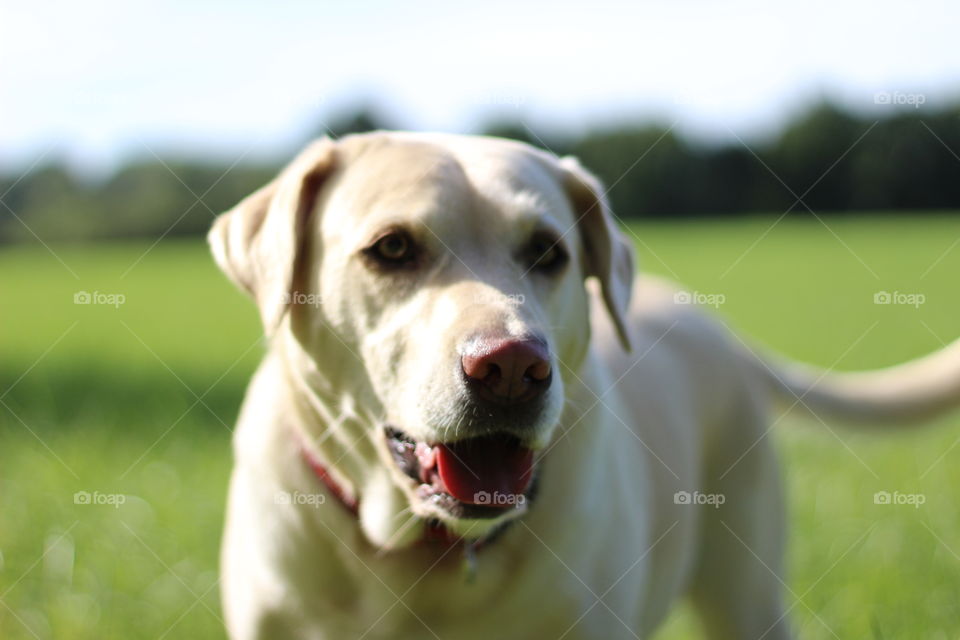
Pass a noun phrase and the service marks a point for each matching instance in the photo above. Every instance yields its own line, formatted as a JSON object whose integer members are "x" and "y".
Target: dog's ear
{"x": 608, "y": 255}
{"x": 260, "y": 242}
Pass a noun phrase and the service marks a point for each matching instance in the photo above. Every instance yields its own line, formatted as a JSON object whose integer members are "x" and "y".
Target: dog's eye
{"x": 393, "y": 249}
{"x": 544, "y": 253}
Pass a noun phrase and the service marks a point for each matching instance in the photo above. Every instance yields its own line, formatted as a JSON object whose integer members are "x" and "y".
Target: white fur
{"x": 606, "y": 549}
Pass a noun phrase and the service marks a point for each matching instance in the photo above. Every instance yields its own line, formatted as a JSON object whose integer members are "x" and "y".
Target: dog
{"x": 474, "y": 421}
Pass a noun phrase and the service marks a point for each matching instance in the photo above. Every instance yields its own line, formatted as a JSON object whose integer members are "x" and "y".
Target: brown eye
{"x": 545, "y": 253}
{"x": 394, "y": 249}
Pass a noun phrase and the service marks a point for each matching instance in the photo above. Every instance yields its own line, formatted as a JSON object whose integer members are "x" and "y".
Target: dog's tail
{"x": 915, "y": 391}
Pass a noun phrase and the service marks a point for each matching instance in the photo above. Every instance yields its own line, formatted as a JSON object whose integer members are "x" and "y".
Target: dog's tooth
{"x": 426, "y": 456}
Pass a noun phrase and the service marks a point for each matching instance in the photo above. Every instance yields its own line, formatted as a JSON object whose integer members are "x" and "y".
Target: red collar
{"x": 349, "y": 502}
{"x": 434, "y": 532}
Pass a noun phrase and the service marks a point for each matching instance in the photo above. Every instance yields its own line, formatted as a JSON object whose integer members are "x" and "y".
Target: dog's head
{"x": 428, "y": 293}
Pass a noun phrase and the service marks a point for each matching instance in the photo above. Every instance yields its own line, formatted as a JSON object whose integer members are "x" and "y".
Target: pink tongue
{"x": 473, "y": 470}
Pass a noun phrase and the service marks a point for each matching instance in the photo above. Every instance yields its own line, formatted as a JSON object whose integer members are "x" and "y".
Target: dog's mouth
{"x": 475, "y": 478}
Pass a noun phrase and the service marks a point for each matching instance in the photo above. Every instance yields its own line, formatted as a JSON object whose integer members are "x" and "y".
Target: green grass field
{"x": 138, "y": 400}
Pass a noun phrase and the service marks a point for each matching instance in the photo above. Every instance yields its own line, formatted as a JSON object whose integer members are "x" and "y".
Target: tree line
{"x": 828, "y": 159}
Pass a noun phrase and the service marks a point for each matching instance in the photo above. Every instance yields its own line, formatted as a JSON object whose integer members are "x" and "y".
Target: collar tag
{"x": 469, "y": 562}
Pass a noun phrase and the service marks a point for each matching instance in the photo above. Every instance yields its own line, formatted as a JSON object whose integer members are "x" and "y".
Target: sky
{"x": 101, "y": 81}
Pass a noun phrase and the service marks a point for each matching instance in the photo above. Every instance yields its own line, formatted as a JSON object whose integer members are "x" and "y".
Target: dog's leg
{"x": 739, "y": 580}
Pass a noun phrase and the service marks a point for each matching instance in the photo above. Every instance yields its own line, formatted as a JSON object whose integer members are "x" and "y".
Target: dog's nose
{"x": 507, "y": 370}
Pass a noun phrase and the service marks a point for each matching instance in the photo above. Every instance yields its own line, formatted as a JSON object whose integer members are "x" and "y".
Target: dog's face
{"x": 435, "y": 289}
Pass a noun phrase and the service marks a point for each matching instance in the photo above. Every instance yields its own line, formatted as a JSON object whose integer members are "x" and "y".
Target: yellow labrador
{"x": 452, "y": 436}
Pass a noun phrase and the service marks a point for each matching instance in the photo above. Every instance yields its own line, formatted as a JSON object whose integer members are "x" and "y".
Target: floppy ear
{"x": 608, "y": 255}
{"x": 260, "y": 243}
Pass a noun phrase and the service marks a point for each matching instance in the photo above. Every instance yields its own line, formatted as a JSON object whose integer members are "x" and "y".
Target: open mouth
{"x": 474, "y": 478}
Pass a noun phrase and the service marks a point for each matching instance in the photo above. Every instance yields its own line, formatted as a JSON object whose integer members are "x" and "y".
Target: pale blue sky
{"x": 97, "y": 80}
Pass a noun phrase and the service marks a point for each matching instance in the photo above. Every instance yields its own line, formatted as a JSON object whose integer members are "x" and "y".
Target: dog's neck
{"x": 349, "y": 501}
{"x": 434, "y": 533}
{"x": 327, "y": 421}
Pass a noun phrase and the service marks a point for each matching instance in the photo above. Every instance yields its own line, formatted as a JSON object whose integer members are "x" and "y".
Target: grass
{"x": 138, "y": 400}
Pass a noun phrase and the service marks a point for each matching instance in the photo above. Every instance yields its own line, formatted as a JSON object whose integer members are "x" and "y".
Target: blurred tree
{"x": 907, "y": 159}
{"x": 646, "y": 170}
{"x": 518, "y": 130}
{"x": 811, "y": 158}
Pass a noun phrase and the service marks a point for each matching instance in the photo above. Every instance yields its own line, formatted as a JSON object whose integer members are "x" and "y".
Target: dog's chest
{"x": 536, "y": 596}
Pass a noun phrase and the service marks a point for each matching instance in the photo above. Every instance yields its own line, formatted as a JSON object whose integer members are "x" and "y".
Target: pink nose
{"x": 507, "y": 370}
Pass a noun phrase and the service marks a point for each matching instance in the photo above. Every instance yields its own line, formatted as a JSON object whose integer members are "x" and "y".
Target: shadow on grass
{"x": 63, "y": 396}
